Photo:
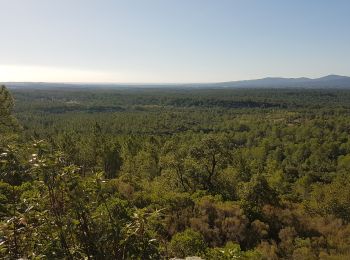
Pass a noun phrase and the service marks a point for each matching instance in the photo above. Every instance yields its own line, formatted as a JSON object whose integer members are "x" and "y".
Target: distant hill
{"x": 330, "y": 81}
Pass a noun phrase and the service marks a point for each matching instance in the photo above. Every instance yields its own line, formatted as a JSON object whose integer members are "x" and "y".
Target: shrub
{"x": 187, "y": 243}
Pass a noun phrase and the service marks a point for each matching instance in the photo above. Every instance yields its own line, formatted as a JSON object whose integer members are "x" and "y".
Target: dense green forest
{"x": 156, "y": 173}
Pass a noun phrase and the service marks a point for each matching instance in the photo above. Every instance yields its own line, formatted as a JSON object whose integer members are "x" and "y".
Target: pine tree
{"x": 7, "y": 122}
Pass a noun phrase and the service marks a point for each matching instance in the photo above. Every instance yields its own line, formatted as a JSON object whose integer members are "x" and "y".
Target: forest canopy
{"x": 161, "y": 173}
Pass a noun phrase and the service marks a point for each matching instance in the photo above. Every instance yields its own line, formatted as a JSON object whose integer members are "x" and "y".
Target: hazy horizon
{"x": 172, "y": 42}
{"x": 166, "y": 83}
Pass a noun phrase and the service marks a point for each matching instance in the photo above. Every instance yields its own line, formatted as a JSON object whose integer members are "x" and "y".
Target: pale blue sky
{"x": 172, "y": 40}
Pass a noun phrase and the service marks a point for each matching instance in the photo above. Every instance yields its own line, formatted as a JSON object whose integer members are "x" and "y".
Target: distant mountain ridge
{"x": 330, "y": 81}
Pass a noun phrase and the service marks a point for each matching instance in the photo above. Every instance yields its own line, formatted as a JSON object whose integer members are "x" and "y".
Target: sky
{"x": 172, "y": 41}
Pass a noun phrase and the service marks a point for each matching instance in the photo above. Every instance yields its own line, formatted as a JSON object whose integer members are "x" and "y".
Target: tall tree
{"x": 7, "y": 121}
